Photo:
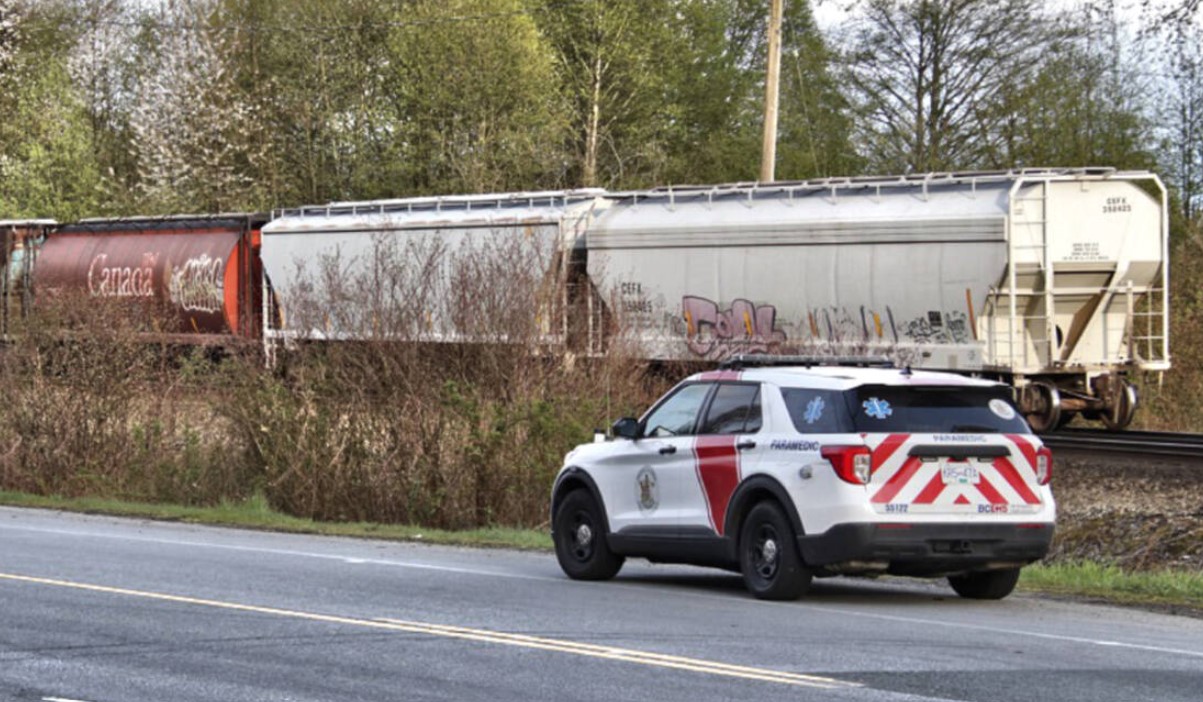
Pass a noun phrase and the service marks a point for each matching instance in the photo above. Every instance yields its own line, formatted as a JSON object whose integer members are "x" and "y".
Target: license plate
{"x": 960, "y": 474}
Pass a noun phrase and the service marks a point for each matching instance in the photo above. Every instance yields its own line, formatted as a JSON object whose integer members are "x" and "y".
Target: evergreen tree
{"x": 475, "y": 95}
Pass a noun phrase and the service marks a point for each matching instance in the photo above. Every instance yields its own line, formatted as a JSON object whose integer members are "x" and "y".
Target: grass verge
{"x": 255, "y": 513}
{"x": 1159, "y": 588}
{"x": 1174, "y": 590}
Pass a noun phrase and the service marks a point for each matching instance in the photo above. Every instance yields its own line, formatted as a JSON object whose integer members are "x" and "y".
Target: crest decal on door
{"x": 646, "y": 490}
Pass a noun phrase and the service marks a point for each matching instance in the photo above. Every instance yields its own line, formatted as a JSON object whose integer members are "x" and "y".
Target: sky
{"x": 829, "y": 13}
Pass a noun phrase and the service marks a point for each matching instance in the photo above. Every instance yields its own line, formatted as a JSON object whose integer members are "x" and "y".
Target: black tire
{"x": 580, "y": 539}
{"x": 985, "y": 585}
{"x": 768, "y": 555}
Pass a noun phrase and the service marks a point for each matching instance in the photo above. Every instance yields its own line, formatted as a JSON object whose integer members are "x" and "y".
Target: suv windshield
{"x": 935, "y": 409}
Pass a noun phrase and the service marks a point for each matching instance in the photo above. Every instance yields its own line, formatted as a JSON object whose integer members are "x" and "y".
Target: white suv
{"x": 790, "y": 472}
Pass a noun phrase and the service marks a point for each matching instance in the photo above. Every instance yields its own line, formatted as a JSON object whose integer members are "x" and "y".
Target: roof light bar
{"x": 765, "y": 360}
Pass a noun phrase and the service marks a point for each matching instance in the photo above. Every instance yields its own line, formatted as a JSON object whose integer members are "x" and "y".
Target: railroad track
{"x": 1186, "y": 448}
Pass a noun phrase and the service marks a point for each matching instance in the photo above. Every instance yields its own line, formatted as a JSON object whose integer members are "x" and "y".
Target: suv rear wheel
{"x": 580, "y": 539}
{"x": 768, "y": 555}
{"x": 986, "y": 585}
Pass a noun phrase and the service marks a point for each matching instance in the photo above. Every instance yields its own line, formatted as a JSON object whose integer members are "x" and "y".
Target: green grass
{"x": 1166, "y": 588}
{"x": 255, "y": 513}
{"x": 1158, "y": 589}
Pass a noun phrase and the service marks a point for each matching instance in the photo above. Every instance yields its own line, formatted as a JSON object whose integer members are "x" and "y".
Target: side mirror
{"x": 627, "y": 428}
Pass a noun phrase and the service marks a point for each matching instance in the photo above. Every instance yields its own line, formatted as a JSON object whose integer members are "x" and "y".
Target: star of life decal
{"x": 877, "y": 408}
{"x": 814, "y": 410}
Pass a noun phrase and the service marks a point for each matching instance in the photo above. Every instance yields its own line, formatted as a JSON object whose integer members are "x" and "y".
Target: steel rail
{"x": 1187, "y": 448}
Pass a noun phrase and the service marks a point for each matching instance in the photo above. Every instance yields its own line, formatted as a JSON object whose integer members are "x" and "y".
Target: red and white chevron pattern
{"x": 907, "y": 484}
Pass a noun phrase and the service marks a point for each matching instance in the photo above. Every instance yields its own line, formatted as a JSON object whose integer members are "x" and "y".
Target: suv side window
{"x": 678, "y": 414}
{"x": 735, "y": 409}
{"x": 817, "y": 411}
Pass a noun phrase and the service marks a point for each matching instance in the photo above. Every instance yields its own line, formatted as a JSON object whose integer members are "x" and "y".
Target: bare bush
{"x": 93, "y": 407}
{"x": 1162, "y": 397}
{"x": 434, "y": 390}
{"x": 448, "y": 400}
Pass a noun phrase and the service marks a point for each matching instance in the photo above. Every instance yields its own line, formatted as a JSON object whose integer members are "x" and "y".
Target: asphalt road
{"x": 112, "y": 610}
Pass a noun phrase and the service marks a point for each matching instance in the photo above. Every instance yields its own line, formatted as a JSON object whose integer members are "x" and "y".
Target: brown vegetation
{"x": 384, "y": 428}
{"x": 396, "y": 428}
{"x": 93, "y": 408}
{"x": 1171, "y": 402}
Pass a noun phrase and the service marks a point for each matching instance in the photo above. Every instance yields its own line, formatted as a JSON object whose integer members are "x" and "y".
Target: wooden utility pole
{"x": 768, "y": 162}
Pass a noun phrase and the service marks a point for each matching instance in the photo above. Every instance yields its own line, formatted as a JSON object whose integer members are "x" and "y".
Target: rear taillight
{"x": 852, "y": 463}
{"x": 1044, "y": 465}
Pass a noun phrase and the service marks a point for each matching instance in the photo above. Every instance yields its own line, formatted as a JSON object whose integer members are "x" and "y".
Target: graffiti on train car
{"x": 714, "y": 333}
{"x": 122, "y": 281}
{"x": 197, "y": 285}
{"x": 936, "y": 327}
{"x": 843, "y": 325}
{"x": 745, "y": 327}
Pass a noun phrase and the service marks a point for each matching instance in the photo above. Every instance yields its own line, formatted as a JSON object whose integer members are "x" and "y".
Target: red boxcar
{"x": 204, "y": 271}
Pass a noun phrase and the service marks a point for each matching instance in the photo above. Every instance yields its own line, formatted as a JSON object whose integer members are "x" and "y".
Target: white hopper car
{"x": 1052, "y": 280}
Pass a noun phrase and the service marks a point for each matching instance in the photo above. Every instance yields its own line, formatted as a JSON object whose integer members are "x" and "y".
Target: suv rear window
{"x": 934, "y": 409}
{"x": 817, "y": 411}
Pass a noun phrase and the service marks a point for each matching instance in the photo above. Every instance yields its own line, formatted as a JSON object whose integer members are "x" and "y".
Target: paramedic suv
{"x": 789, "y": 472}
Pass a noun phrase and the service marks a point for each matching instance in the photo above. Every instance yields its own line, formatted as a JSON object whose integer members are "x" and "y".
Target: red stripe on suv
{"x": 718, "y": 472}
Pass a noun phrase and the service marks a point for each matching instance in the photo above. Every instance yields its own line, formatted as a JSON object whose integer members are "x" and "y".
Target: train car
{"x": 442, "y": 270}
{"x": 202, "y": 272}
{"x": 1052, "y": 280}
{"x": 18, "y": 251}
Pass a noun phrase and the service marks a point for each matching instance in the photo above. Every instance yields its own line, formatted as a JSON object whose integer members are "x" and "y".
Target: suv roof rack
{"x": 755, "y": 360}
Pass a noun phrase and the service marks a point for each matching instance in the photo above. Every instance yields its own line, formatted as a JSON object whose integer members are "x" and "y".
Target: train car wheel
{"x": 1042, "y": 406}
{"x": 1120, "y": 414}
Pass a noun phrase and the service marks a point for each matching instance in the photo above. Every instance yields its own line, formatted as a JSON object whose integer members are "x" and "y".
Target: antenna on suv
{"x": 744, "y": 360}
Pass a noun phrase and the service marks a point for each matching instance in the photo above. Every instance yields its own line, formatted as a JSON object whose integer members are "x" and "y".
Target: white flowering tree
{"x": 195, "y": 134}
{"x": 8, "y": 36}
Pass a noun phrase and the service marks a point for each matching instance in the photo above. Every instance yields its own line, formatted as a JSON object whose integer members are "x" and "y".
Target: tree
{"x": 614, "y": 59}
{"x": 475, "y": 99}
{"x": 8, "y": 37}
{"x": 319, "y": 75}
{"x": 1182, "y": 113}
{"x": 714, "y": 92}
{"x": 816, "y": 125}
{"x": 105, "y": 69}
{"x": 46, "y": 166}
{"x": 673, "y": 91}
{"x": 927, "y": 76}
{"x": 197, "y": 138}
{"x": 1087, "y": 103}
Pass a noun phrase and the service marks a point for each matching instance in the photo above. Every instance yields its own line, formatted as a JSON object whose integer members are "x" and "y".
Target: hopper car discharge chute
{"x": 201, "y": 273}
{"x": 1051, "y": 280}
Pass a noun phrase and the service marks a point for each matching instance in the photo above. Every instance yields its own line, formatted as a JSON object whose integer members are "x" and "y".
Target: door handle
{"x": 666, "y": 450}
{"x": 744, "y": 445}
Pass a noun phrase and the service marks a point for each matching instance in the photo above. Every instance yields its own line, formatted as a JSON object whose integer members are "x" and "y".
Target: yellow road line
{"x": 635, "y": 656}
{"x": 478, "y": 635}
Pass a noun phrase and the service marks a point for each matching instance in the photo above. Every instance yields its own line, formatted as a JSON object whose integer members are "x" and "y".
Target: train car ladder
{"x": 1028, "y": 217}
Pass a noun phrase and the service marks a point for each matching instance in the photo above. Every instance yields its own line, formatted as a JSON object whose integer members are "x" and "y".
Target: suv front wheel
{"x": 768, "y": 555}
{"x": 580, "y": 539}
